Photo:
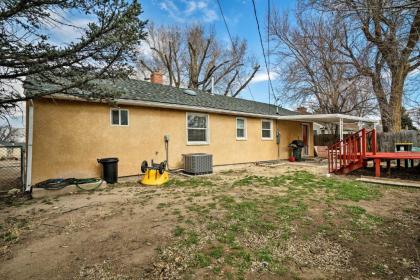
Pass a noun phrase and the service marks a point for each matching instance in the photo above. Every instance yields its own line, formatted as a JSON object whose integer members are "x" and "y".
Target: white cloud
{"x": 189, "y": 10}
{"x": 67, "y": 27}
{"x": 210, "y": 16}
{"x": 262, "y": 77}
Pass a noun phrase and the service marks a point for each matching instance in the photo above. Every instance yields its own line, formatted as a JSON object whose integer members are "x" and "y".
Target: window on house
{"x": 119, "y": 117}
{"x": 240, "y": 128}
{"x": 197, "y": 128}
{"x": 267, "y": 129}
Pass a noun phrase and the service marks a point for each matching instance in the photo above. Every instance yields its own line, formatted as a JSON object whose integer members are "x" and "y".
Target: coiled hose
{"x": 58, "y": 184}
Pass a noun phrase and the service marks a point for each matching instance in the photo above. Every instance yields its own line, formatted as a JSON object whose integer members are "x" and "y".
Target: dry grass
{"x": 255, "y": 223}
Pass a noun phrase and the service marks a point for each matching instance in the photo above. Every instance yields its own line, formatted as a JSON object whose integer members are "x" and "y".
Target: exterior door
{"x": 305, "y": 138}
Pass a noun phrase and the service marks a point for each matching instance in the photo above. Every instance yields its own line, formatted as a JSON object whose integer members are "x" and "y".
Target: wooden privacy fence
{"x": 325, "y": 139}
{"x": 387, "y": 140}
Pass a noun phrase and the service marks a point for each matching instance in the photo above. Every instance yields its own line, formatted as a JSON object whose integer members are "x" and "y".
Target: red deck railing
{"x": 350, "y": 152}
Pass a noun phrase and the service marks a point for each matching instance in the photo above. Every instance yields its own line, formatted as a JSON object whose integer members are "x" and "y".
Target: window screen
{"x": 119, "y": 117}
{"x": 197, "y": 125}
{"x": 240, "y": 128}
{"x": 115, "y": 116}
{"x": 123, "y": 117}
{"x": 266, "y": 132}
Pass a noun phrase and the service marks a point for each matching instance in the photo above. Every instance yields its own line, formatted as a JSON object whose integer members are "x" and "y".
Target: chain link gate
{"x": 11, "y": 167}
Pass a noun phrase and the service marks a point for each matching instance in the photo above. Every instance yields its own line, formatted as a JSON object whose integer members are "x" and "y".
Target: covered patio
{"x": 338, "y": 119}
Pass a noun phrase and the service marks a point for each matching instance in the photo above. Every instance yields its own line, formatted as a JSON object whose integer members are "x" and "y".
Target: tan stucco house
{"x": 67, "y": 134}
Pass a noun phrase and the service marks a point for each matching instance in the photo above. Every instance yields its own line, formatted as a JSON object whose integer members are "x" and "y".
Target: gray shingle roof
{"x": 131, "y": 89}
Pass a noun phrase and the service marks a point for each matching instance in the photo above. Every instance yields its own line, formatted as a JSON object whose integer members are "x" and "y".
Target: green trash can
{"x": 297, "y": 153}
{"x": 297, "y": 146}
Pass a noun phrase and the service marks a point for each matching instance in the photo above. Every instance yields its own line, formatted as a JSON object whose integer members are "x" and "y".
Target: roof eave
{"x": 142, "y": 103}
{"x": 329, "y": 117}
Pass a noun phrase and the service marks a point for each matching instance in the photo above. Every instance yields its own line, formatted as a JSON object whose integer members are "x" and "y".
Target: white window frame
{"x": 245, "y": 129}
{"x": 119, "y": 117}
{"x": 197, "y": 143}
{"x": 271, "y": 130}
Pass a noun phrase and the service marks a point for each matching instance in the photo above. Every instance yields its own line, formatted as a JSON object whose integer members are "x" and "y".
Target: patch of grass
{"x": 264, "y": 255}
{"x": 178, "y": 231}
{"x": 253, "y": 180}
{"x": 218, "y": 230}
{"x": 214, "y": 225}
{"x": 11, "y": 230}
{"x": 374, "y": 219}
{"x": 351, "y": 190}
{"x": 225, "y": 200}
{"x": 163, "y": 205}
{"x": 191, "y": 183}
{"x": 202, "y": 210}
{"x": 301, "y": 178}
{"x": 361, "y": 220}
{"x": 201, "y": 260}
{"x": 355, "y": 211}
{"x": 289, "y": 212}
{"x": 228, "y": 237}
{"x": 262, "y": 227}
{"x": 216, "y": 252}
{"x": 191, "y": 238}
{"x": 240, "y": 260}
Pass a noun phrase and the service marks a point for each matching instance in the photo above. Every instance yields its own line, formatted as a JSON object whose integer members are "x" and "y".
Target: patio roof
{"x": 327, "y": 118}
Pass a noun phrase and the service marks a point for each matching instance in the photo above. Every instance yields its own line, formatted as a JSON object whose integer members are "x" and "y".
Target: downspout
{"x": 278, "y": 139}
{"x": 30, "y": 124}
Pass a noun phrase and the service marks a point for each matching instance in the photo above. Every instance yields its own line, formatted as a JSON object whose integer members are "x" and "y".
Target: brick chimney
{"x": 302, "y": 110}
{"x": 156, "y": 77}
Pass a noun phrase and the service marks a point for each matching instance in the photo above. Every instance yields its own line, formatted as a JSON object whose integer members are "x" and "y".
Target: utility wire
{"x": 263, "y": 49}
{"x": 233, "y": 45}
{"x": 268, "y": 50}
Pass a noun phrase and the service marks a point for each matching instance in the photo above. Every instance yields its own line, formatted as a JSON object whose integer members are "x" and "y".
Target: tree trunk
{"x": 395, "y": 105}
{"x": 382, "y": 102}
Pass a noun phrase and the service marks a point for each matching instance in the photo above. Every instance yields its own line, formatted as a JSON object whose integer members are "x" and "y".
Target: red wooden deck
{"x": 394, "y": 155}
{"x": 388, "y": 156}
{"x": 354, "y": 151}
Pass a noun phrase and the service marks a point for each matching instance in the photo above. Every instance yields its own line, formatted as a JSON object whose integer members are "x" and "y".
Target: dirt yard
{"x": 284, "y": 222}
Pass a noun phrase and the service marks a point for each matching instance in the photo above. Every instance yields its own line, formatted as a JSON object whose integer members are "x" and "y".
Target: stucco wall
{"x": 70, "y": 136}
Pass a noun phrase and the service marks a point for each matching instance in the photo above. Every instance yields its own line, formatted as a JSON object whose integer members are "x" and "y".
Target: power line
{"x": 233, "y": 45}
{"x": 263, "y": 50}
{"x": 268, "y": 49}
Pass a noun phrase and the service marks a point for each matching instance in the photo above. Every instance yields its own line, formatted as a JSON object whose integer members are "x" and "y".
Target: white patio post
{"x": 359, "y": 125}
{"x": 340, "y": 131}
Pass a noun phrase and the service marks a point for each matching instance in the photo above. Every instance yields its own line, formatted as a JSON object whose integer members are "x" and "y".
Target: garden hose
{"x": 79, "y": 182}
{"x": 60, "y": 183}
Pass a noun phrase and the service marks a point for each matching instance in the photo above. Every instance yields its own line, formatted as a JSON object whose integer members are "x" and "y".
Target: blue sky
{"x": 240, "y": 19}
{"x": 239, "y": 15}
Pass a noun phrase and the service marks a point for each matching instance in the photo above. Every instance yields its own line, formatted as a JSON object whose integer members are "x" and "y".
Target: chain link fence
{"x": 11, "y": 167}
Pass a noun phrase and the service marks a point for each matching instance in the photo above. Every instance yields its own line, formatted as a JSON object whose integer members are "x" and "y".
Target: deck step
{"x": 349, "y": 168}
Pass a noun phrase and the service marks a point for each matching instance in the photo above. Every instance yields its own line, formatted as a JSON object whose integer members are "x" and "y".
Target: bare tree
{"x": 194, "y": 57}
{"x": 104, "y": 50}
{"x": 382, "y": 42}
{"x": 309, "y": 60}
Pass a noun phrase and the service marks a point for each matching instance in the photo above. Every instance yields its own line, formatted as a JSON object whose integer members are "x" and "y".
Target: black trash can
{"x": 109, "y": 169}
